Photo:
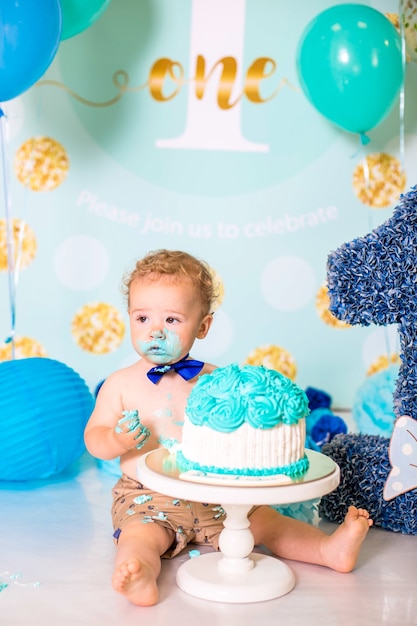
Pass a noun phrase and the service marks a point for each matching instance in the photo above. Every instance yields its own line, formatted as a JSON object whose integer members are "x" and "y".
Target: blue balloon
{"x": 349, "y": 63}
{"x": 30, "y": 33}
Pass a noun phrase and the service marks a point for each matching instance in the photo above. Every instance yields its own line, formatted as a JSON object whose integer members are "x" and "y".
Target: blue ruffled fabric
{"x": 372, "y": 280}
{"x": 364, "y": 467}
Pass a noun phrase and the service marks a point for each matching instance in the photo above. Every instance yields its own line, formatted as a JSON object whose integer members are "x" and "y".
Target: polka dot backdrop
{"x": 261, "y": 191}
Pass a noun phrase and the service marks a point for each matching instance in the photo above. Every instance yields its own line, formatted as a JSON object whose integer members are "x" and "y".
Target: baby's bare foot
{"x": 341, "y": 549}
{"x": 137, "y": 582}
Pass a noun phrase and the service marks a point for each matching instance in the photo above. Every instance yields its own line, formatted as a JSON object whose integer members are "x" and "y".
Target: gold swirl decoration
{"x": 120, "y": 80}
{"x": 166, "y": 72}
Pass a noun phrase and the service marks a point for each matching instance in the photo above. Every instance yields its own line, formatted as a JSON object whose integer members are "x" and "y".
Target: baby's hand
{"x": 130, "y": 431}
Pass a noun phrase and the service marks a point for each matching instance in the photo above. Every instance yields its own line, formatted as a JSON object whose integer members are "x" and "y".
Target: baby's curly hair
{"x": 181, "y": 266}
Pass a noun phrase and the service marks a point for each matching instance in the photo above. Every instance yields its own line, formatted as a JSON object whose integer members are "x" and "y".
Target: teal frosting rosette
{"x": 231, "y": 395}
{"x": 214, "y": 401}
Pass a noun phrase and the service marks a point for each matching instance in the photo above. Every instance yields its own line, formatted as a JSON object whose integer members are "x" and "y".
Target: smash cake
{"x": 245, "y": 421}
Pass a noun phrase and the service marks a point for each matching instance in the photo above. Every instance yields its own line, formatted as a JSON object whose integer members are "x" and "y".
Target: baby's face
{"x": 165, "y": 318}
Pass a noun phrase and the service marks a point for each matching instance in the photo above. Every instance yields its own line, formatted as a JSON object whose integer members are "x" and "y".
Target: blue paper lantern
{"x": 44, "y": 408}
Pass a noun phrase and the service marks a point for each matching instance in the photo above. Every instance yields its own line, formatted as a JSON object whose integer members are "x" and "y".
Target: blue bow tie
{"x": 185, "y": 368}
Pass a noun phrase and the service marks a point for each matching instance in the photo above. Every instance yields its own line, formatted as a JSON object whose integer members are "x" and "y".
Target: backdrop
{"x": 184, "y": 125}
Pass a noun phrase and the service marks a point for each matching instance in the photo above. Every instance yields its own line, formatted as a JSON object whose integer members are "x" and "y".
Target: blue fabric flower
{"x": 326, "y": 428}
{"x": 322, "y": 425}
{"x": 317, "y": 398}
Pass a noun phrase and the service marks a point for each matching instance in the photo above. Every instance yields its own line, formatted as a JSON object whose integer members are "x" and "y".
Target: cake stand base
{"x": 203, "y": 577}
{"x": 236, "y": 573}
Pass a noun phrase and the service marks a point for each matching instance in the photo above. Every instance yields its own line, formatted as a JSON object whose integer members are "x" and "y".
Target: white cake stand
{"x": 236, "y": 574}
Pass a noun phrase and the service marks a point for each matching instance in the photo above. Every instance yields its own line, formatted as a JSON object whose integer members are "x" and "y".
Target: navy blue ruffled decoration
{"x": 317, "y": 398}
{"x": 372, "y": 280}
{"x": 364, "y": 468}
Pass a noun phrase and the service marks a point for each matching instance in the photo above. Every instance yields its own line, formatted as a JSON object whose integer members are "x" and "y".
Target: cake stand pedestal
{"x": 236, "y": 574}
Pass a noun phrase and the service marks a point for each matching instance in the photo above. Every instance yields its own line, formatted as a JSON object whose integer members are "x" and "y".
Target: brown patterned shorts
{"x": 192, "y": 522}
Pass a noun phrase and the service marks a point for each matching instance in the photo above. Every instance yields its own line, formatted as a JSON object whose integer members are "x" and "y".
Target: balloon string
{"x": 9, "y": 233}
{"x": 363, "y": 141}
{"x": 402, "y": 91}
{"x": 15, "y": 252}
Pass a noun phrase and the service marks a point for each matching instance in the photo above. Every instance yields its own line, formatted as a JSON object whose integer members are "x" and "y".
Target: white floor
{"x": 58, "y": 534}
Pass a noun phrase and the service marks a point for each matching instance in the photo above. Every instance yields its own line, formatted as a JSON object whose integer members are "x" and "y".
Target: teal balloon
{"x": 350, "y": 66}
{"x": 29, "y": 39}
{"x": 78, "y": 15}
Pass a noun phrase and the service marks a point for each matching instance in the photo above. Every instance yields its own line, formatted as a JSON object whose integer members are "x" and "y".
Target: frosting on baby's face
{"x": 164, "y": 347}
{"x": 165, "y": 319}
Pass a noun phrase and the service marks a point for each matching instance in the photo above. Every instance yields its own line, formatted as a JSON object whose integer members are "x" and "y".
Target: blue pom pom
{"x": 317, "y": 398}
{"x": 326, "y": 428}
{"x": 44, "y": 407}
{"x": 321, "y": 426}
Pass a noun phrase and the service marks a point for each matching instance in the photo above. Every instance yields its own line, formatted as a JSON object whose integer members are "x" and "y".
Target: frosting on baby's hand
{"x": 130, "y": 424}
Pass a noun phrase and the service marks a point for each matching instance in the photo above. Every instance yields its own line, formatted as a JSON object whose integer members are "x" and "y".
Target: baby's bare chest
{"x": 161, "y": 408}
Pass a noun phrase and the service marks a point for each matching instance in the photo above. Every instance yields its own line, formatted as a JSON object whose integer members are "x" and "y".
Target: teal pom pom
{"x": 373, "y": 408}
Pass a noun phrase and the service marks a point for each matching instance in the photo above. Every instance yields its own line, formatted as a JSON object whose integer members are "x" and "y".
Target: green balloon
{"x": 77, "y": 15}
{"x": 350, "y": 66}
